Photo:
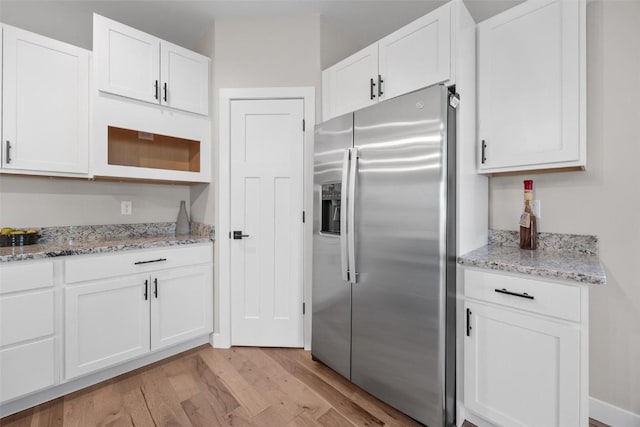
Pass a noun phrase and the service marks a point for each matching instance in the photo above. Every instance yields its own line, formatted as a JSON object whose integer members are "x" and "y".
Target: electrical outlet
{"x": 125, "y": 208}
{"x": 535, "y": 207}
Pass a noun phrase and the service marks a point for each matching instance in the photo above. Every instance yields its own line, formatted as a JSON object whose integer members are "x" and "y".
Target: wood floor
{"x": 242, "y": 386}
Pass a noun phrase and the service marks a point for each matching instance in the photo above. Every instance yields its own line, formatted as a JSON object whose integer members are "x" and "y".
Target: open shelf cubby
{"x": 151, "y": 150}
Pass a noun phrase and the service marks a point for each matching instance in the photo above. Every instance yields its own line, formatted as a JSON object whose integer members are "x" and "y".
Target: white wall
{"x": 265, "y": 52}
{"x": 604, "y": 200}
{"x": 42, "y": 202}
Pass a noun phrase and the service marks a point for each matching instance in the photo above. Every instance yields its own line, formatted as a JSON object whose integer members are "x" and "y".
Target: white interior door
{"x": 266, "y": 205}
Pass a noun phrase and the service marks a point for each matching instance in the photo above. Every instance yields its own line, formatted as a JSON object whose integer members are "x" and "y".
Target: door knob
{"x": 237, "y": 235}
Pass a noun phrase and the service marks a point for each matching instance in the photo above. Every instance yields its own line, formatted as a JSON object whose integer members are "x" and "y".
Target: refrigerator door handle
{"x": 343, "y": 215}
{"x": 351, "y": 216}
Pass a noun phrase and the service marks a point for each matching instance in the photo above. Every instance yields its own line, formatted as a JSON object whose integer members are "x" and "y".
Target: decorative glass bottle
{"x": 528, "y": 224}
{"x": 183, "y": 227}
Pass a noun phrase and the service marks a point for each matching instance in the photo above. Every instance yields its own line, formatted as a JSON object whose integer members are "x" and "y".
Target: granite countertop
{"x": 98, "y": 239}
{"x": 558, "y": 257}
{"x": 95, "y": 246}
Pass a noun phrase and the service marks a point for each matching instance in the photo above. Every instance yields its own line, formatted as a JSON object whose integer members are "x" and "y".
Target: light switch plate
{"x": 125, "y": 208}
{"x": 535, "y": 207}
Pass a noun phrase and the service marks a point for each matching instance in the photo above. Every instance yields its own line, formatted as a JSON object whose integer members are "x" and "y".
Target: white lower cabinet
{"x": 110, "y": 320}
{"x": 182, "y": 305}
{"x": 28, "y": 360}
{"x": 521, "y": 370}
{"x": 106, "y": 322}
{"x": 524, "y": 363}
{"x": 27, "y": 368}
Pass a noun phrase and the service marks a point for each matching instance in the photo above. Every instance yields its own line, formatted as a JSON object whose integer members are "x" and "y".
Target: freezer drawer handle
{"x": 515, "y": 294}
{"x": 150, "y": 261}
{"x": 371, "y": 89}
{"x": 237, "y": 235}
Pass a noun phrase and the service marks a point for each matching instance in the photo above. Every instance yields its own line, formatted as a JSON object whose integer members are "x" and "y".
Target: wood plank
{"x": 339, "y": 382}
{"x": 391, "y": 416}
{"x": 162, "y": 400}
{"x": 249, "y": 397}
{"x": 200, "y": 412}
{"x": 349, "y": 409}
{"x": 220, "y": 398}
{"x": 304, "y": 420}
{"x": 333, "y": 419}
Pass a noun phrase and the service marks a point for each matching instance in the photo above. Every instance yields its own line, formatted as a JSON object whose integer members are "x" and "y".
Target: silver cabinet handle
{"x": 351, "y": 215}
{"x": 7, "y": 148}
{"x": 343, "y": 215}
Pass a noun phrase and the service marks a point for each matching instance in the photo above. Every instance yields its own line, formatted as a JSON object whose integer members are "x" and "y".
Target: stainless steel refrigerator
{"x": 384, "y": 251}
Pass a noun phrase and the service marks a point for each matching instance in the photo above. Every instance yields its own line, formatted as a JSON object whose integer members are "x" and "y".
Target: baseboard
{"x": 219, "y": 340}
{"x": 612, "y": 415}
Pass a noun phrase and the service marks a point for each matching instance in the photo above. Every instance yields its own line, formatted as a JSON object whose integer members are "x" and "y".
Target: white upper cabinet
{"x": 127, "y": 61}
{"x": 350, "y": 84}
{"x": 45, "y": 104}
{"x": 185, "y": 77}
{"x": 137, "y": 65}
{"x": 532, "y": 87}
{"x": 417, "y": 55}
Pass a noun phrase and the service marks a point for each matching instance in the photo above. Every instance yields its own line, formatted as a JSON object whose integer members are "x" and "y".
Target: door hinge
{"x": 303, "y": 308}
{"x": 304, "y": 125}
{"x": 303, "y": 217}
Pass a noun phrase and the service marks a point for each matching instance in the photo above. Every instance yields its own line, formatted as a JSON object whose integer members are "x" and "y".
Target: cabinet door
{"x": 105, "y": 323}
{"x": 27, "y": 368}
{"x": 351, "y": 84}
{"x": 45, "y": 123}
{"x": 417, "y": 55}
{"x": 521, "y": 370}
{"x": 531, "y": 86}
{"x": 185, "y": 76}
{"x": 127, "y": 61}
{"x": 181, "y": 305}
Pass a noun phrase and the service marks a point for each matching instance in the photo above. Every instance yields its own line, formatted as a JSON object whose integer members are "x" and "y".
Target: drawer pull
{"x": 469, "y": 322}
{"x": 515, "y": 294}
{"x": 150, "y": 261}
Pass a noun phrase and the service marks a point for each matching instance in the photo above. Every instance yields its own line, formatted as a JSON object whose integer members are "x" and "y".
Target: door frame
{"x": 222, "y": 276}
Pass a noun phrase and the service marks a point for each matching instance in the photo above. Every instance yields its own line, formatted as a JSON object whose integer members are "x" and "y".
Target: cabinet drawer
{"x": 95, "y": 267}
{"x": 24, "y": 276}
{"x": 552, "y": 299}
{"x": 26, "y": 316}
{"x": 27, "y": 368}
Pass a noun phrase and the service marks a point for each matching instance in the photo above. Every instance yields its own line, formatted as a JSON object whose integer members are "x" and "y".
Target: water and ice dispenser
{"x": 331, "y": 194}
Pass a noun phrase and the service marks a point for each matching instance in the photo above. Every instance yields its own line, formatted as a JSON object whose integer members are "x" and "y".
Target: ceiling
{"x": 185, "y": 22}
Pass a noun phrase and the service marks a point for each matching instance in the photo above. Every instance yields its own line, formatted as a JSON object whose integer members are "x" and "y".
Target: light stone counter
{"x": 83, "y": 240}
{"x": 561, "y": 256}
